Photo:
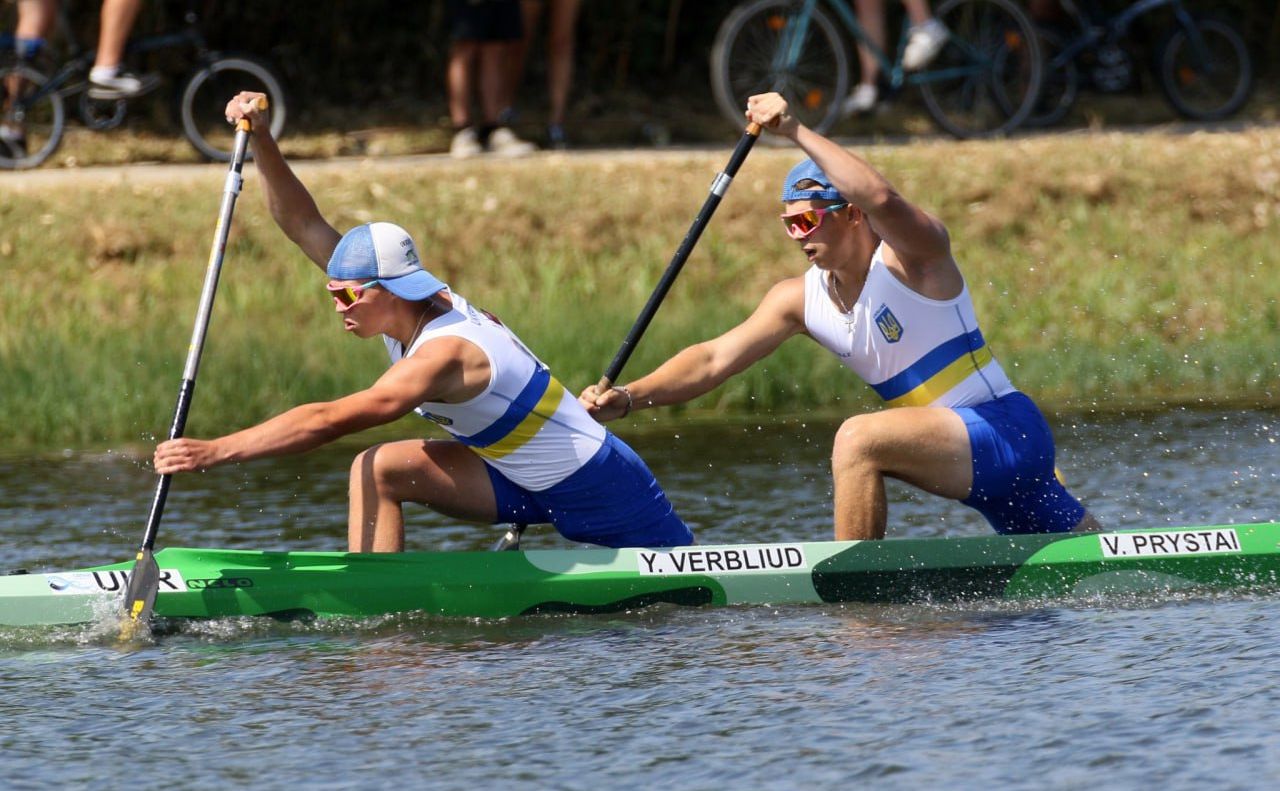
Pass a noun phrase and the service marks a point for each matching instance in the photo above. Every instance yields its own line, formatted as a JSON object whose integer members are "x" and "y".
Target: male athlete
{"x": 884, "y": 294}
{"x": 523, "y": 449}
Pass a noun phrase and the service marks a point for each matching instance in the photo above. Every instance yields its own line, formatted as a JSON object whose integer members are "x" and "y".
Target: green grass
{"x": 1108, "y": 271}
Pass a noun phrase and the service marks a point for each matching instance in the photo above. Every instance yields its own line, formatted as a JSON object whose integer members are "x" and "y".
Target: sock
{"x": 99, "y": 73}
{"x": 27, "y": 48}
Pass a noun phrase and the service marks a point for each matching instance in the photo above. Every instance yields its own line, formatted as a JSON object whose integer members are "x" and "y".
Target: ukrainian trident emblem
{"x": 889, "y": 325}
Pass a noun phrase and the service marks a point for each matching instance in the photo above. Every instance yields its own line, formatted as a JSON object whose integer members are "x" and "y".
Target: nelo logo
{"x": 220, "y": 582}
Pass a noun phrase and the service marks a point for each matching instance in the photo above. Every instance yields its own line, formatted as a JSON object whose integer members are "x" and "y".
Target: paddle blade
{"x": 144, "y": 583}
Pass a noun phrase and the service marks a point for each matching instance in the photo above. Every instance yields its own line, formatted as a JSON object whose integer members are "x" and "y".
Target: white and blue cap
{"x": 384, "y": 252}
{"x": 809, "y": 170}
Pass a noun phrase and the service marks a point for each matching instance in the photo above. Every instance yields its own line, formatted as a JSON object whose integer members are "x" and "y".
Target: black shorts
{"x": 486, "y": 20}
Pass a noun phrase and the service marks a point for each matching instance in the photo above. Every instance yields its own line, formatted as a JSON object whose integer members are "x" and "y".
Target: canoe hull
{"x": 215, "y": 583}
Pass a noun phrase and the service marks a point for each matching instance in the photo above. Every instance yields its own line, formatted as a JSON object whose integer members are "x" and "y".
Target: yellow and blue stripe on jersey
{"x": 527, "y": 413}
{"x": 937, "y": 372}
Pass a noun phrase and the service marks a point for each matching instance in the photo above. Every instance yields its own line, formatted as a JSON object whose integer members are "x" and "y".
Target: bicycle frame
{"x": 798, "y": 28}
{"x": 1115, "y": 28}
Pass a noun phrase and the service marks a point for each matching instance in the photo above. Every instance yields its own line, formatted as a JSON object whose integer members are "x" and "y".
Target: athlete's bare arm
{"x": 451, "y": 370}
{"x": 702, "y": 367}
{"x": 918, "y": 240}
{"x": 291, "y": 205}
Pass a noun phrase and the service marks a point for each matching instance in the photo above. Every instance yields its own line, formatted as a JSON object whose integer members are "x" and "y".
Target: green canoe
{"x": 215, "y": 583}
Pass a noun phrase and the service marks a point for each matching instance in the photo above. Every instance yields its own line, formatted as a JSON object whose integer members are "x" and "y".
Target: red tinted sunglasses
{"x": 803, "y": 223}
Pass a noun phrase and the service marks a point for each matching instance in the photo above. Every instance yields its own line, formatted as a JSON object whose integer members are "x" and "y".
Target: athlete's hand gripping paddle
{"x": 144, "y": 581}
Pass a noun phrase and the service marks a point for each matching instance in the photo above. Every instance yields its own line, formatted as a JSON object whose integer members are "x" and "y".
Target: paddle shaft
{"x": 718, "y": 189}
{"x": 229, "y": 194}
{"x": 143, "y": 582}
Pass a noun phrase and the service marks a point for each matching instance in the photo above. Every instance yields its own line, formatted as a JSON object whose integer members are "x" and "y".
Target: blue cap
{"x": 384, "y": 252}
{"x": 808, "y": 169}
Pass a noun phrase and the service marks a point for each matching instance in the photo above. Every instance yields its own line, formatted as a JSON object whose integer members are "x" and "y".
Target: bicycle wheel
{"x": 987, "y": 77}
{"x": 32, "y": 124}
{"x": 205, "y": 96}
{"x": 1209, "y": 79}
{"x": 759, "y": 48}
{"x": 1060, "y": 84}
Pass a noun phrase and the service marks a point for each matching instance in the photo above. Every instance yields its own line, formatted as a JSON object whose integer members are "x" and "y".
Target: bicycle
{"x": 1203, "y": 65}
{"x": 984, "y": 82}
{"x": 34, "y": 102}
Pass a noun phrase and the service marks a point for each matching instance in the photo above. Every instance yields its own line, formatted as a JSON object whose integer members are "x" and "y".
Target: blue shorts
{"x": 613, "y": 501}
{"x": 1014, "y": 485}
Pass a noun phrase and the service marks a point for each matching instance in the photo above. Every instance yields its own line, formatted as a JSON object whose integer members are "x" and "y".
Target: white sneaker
{"x": 504, "y": 143}
{"x": 924, "y": 44}
{"x": 466, "y": 143}
{"x": 862, "y": 100}
{"x": 105, "y": 83}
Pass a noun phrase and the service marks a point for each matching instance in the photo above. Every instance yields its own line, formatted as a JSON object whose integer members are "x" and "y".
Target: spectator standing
{"x": 482, "y": 32}
{"x": 924, "y": 42}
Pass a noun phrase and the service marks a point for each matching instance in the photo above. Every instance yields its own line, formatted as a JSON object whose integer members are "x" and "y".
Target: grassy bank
{"x": 1108, "y": 270}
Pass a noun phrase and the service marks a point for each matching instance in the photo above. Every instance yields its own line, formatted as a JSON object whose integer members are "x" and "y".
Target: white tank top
{"x": 525, "y": 424}
{"x": 912, "y": 350}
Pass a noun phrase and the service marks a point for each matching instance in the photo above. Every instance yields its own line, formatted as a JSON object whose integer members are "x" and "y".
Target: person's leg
{"x": 917, "y": 11}
{"x": 117, "y": 20}
{"x": 35, "y": 23}
{"x": 35, "y": 19}
{"x": 443, "y": 475}
{"x": 866, "y": 93}
{"x": 501, "y": 27}
{"x": 518, "y": 54}
{"x": 927, "y": 447}
{"x": 106, "y": 79}
{"x": 1016, "y": 485}
{"x": 871, "y": 17}
{"x": 562, "y": 23}
{"x": 493, "y": 80}
{"x": 458, "y": 77}
{"x": 462, "y": 56}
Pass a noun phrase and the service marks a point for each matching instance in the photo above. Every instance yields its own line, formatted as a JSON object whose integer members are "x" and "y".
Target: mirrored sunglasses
{"x": 803, "y": 223}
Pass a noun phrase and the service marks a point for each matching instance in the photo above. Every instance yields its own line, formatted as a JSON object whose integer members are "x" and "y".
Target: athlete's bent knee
{"x": 854, "y": 443}
{"x": 369, "y": 468}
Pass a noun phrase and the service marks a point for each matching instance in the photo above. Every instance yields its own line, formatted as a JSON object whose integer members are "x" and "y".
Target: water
{"x": 1128, "y": 693}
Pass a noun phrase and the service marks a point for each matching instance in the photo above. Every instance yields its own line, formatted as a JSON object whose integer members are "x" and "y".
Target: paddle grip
{"x": 260, "y": 104}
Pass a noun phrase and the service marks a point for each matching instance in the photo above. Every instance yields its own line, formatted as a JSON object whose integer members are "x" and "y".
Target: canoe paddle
{"x": 718, "y": 188}
{"x": 511, "y": 540}
{"x": 144, "y": 581}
